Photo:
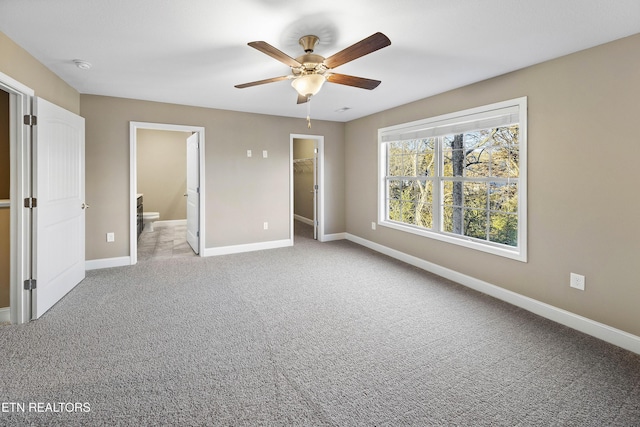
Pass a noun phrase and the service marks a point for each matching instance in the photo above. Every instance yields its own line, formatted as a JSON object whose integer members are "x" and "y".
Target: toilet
{"x": 149, "y": 218}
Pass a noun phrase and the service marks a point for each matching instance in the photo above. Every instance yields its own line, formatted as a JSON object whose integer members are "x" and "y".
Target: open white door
{"x": 315, "y": 190}
{"x": 59, "y": 215}
{"x": 193, "y": 192}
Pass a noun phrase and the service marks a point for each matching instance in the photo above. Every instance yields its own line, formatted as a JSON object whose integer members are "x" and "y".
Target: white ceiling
{"x": 193, "y": 52}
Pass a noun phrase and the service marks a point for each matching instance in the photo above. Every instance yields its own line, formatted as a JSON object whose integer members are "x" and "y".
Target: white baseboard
{"x": 333, "y": 237}
{"x": 250, "y": 247}
{"x": 599, "y": 330}
{"x": 303, "y": 219}
{"x": 5, "y": 314}
{"x": 96, "y": 264}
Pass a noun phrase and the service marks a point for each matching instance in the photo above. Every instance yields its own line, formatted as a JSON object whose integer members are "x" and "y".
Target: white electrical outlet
{"x": 248, "y": 153}
{"x": 265, "y": 154}
{"x": 266, "y": 225}
{"x": 576, "y": 281}
{"x": 111, "y": 237}
{"x": 373, "y": 225}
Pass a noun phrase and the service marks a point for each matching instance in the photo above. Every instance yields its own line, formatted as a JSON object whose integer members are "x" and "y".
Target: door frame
{"x": 20, "y": 99}
{"x": 133, "y": 169}
{"x": 319, "y": 145}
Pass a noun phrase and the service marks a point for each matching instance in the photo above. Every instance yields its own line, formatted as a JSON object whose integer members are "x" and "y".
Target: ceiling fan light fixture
{"x": 308, "y": 84}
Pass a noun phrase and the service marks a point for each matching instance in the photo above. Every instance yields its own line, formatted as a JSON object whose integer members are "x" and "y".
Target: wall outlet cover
{"x": 576, "y": 281}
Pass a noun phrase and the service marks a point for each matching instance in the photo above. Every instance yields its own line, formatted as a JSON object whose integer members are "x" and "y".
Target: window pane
{"x": 395, "y": 189}
{"x": 506, "y": 151}
{"x": 504, "y": 162}
{"x": 475, "y": 195}
{"x": 503, "y": 197}
{"x": 395, "y": 148}
{"x": 395, "y": 213}
{"x": 506, "y": 136}
{"x": 409, "y": 165}
{"x": 453, "y": 163}
{"x": 409, "y": 147}
{"x": 408, "y": 213}
{"x": 425, "y": 164}
{"x": 448, "y": 142}
{"x": 477, "y": 163}
{"x": 504, "y": 229}
{"x": 447, "y": 193}
{"x": 427, "y": 145}
{"x": 408, "y": 190}
{"x": 447, "y": 219}
{"x": 395, "y": 165}
{"x": 424, "y": 192}
{"x": 424, "y": 215}
{"x": 475, "y": 223}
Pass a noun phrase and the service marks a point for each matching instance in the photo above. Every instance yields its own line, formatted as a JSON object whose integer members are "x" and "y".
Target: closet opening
{"x": 307, "y": 189}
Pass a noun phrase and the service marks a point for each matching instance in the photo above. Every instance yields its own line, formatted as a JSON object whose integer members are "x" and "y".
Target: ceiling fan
{"x": 310, "y": 71}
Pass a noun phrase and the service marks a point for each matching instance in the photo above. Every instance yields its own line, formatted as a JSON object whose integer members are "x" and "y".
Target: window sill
{"x": 467, "y": 242}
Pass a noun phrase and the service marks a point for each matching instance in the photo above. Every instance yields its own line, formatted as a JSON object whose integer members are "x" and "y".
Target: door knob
{"x": 85, "y": 206}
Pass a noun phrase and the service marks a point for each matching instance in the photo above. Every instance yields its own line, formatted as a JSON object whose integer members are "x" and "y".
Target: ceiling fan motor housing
{"x": 308, "y": 43}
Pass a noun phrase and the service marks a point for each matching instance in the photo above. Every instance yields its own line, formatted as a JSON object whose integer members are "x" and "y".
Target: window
{"x": 459, "y": 178}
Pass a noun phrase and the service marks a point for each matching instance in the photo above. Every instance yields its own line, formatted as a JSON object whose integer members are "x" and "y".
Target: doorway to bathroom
{"x": 167, "y": 190}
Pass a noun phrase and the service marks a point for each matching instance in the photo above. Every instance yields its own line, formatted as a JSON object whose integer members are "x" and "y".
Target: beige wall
{"x": 18, "y": 64}
{"x": 583, "y": 208}
{"x": 303, "y": 178}
{"x": 240, "y": 193}
{"x": 162, "y": 172}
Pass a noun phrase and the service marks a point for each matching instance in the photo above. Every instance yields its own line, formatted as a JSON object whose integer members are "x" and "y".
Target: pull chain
{"x": 309, "y": 111}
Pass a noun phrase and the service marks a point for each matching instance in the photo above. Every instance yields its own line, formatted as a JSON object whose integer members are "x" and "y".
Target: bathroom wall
{"x": 4, "y": 195}
{"x": 162, "y": 172}
{"x": 303, "y": 178}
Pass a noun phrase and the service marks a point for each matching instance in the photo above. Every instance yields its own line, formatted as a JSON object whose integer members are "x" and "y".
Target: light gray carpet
{"x": 313, "y": 335}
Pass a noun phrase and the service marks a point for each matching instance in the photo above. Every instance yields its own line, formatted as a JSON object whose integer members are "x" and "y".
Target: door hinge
{"x": 29, "y": 284}
{"x": 198, "y": 190}
{"x": 197, "y": 234}
{"x": 316, "y": 187}
{"x": 30, "y": 202}
{"x": 30, "y": 120}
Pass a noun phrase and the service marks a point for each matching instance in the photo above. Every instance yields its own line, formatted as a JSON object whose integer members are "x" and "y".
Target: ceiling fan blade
{"x": 355, "y": 51}
{"x": 360, "y": 82}
{"x": 261, "y": 82}
{"x": 302, "y": 99}
{"x": 266, "y": 48}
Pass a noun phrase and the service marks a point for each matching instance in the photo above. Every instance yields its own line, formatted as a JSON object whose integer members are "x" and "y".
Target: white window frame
{"x": 423, "y": 127}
